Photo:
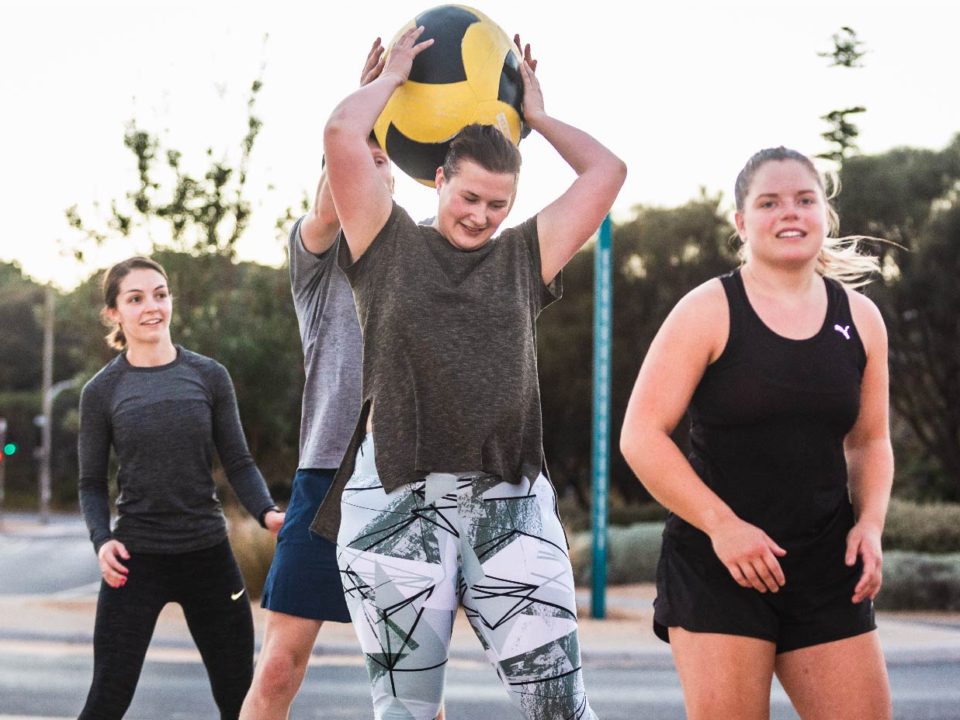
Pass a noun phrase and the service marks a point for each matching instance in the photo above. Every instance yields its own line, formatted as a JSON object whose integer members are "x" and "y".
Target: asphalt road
{"x": 49, "y": 682}
{"x": 46, "y": 674}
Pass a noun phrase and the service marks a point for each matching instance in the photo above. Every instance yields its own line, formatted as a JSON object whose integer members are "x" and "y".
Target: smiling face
{"x": 783, "y": 219}
{"x": 143, "y": 307}
{"x": 472, "y": 204}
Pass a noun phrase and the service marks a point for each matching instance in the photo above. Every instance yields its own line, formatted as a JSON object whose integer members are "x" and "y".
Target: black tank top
{"x": 768, "y": 421}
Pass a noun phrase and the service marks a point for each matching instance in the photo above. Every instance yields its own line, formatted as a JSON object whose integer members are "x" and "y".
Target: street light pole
{"x": 3, "y": 466}
{"x": 47, "y": 405}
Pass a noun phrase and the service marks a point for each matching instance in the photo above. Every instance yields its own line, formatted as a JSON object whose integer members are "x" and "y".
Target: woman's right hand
{"x": 749, "y": 554}
{"x": 114, "y": 572}
{"x": 399, "y": 60}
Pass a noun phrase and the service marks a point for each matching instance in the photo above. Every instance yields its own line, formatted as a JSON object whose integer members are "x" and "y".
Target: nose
{"x": 478, "y": 217}
{"x": 790, "y": 210}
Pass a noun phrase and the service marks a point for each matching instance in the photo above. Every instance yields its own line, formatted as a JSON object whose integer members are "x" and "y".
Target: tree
{"x": 658, "y": 257}
{"x": 204, "y": 215}
{"x": 238, "y": 313}
{"x": 912, "y": 197}
{"x": 847, "y": 52}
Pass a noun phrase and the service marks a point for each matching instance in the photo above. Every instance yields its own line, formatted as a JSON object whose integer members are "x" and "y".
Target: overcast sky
{"x": 683, "y": 91}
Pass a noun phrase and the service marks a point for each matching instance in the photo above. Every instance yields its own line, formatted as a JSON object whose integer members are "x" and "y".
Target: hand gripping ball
{"x": 471, "y": 74}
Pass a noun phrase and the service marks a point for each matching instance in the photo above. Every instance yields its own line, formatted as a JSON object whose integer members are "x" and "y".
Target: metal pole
{"x": 45, "y": 428}
{"x": 602, "y": 315}
{"x": 3, "y": 466}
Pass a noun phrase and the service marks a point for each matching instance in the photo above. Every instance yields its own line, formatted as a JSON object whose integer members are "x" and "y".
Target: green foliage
{"x": 915, "y": 581}
{"x": 578, "y": 518}
{"x": 632, "y": 554}
{"x": 204, "y": 214}
{"x": 847, "y": 49}
{"x": 658, "y": 257}
{"x": 842, "y": 135}
{"x": 932, "y": 528}
{"x": 911, "y": 197}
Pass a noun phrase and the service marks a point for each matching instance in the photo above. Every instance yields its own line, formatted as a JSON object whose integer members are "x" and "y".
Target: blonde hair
{"x": 840, "y": 258}
{"x": 111, "y": 288}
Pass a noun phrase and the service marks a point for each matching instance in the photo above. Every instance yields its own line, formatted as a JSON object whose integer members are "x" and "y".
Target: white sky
{"x": 684, "y": 91}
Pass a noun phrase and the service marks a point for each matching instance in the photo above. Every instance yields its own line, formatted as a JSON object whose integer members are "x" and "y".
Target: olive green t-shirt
{"x": 449, "y": 355}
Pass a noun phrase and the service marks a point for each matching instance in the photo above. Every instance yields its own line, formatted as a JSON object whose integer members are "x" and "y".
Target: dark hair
{"x": 111, "y": 288}
{"x": 840, "y": 257}
{"x": 486, "y": 146}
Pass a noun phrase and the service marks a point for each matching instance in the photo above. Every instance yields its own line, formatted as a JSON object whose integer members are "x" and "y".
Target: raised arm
{"x": 362, "y": 201}
{"x": 868, "y": 451}
{"x": 691, "y": 337}
{"x": 320, "y": 226}
{"x": 569, "y": 221}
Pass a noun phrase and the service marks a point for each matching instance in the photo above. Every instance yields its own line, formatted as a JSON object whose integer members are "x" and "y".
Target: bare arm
{"x": 868, "y": 451}
{"x": 690, "y": 339}
{"x": 320, "y": 226}
{"x": 569, "y": 221}
{"x": 361, "y": 199}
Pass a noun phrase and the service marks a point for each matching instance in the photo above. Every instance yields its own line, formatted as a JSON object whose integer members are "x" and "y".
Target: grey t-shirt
{"x": 331, "y": 341}
{"x": 164, "y": 424}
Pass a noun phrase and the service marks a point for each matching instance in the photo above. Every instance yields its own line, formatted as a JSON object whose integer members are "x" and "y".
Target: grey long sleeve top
{"x": 164, "y": 424}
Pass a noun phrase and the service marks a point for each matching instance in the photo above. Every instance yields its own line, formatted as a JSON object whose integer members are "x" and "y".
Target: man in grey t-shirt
{"x": 303, "y": 588}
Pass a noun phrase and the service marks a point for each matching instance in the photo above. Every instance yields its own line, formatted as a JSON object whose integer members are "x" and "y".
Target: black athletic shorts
{"x": 696, "y": 592}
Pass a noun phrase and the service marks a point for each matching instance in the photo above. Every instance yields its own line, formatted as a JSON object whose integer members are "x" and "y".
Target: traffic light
{"x": 8, "y": 447}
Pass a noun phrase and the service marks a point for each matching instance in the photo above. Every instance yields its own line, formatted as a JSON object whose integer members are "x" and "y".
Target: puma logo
{"x": 236, "y": 596}
{"x": 843, "y": 330}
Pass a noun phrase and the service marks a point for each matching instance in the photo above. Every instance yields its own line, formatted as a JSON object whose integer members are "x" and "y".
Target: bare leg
{"x": 723, "y": 676}
{"x": 841, "y": 680}
{"x": 287, "y": 644}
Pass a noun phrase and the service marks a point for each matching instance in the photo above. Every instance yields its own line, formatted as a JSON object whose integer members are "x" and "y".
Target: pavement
{"x": 63, "y": 622}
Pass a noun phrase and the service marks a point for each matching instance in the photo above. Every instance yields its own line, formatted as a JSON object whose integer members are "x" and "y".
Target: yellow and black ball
{"x": 471, "y": 74}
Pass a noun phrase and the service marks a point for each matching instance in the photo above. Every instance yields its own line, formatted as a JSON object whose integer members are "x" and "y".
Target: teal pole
{"x": 602, "y": 317}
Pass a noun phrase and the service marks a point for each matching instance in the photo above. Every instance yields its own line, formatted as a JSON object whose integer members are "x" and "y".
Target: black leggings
{"x": 207, "y": 584}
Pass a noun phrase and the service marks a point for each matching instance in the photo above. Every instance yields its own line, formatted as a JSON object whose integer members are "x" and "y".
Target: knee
{"x": 278, "y": 676}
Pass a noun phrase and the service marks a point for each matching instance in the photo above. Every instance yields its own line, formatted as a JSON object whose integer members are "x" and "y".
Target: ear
{"x": 439, "y": 179}
{"x": 741, "y": 227}
{"x": 112, "y": 315}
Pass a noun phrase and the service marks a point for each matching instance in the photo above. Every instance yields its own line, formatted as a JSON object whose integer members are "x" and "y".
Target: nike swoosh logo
{"x": 236, "y": 596}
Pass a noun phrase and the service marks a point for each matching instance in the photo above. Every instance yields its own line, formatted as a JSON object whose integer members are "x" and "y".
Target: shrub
{"x": 916, "y": 581}
{"x": 253, "y": 547}
{"x": 632, "y": 554}
{"x": 931, "y": 528}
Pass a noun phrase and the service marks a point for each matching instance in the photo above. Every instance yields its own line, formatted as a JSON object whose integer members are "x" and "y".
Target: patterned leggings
{"x": 408, "y": 557}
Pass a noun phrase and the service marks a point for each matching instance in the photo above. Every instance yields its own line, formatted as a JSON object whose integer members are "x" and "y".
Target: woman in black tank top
{"x": 771, "y": 555}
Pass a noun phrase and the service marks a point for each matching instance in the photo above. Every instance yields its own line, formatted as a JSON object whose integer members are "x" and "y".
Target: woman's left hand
{"x": 863, "y": 540}
{"x": 533, "y": 107}
{"x": 273, "y": 521}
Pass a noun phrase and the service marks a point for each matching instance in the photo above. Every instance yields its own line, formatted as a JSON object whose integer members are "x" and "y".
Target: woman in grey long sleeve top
{"x": 163, "y": 410}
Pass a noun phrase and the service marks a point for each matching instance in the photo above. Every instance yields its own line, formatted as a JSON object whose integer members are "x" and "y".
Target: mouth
{"x": 152, "y": 321}
{"x": 791, "y": 233}
{"x": 472, "y": 231}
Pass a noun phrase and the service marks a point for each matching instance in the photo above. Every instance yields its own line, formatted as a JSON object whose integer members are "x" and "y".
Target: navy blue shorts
{"x": 304, "y": 579}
